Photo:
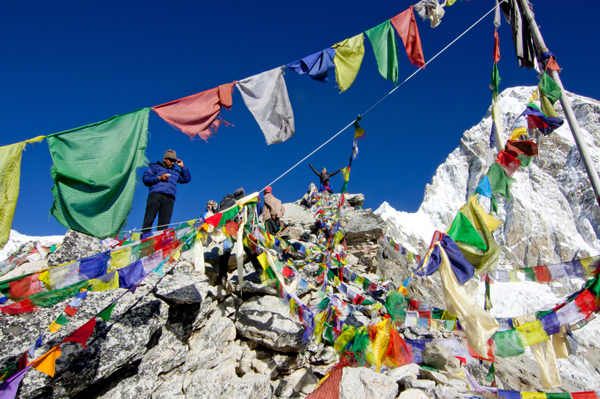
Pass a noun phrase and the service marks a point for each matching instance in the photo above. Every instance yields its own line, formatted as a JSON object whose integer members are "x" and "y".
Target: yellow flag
{"x": 349, "y": 54}
{"x": 109, "y": 281}
{"x": 518, "y": 132}
{"x": 119, "y": 259}
{"x": 533, "y": 395}
{"x": 10, "y": 175}
{"x": 532, "y": 333}
{"x": 513, "y": 276}
{"x": 45, "y": 364}
{"x": 54, "y": 327}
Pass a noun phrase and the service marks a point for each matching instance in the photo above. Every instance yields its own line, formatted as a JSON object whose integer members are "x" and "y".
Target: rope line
{"x": 373, "y": 106}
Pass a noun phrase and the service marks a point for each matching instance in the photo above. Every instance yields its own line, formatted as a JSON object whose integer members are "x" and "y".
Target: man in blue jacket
{"x": 162, "y": 179}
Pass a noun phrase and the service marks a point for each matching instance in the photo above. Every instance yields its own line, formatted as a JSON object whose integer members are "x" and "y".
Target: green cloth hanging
{"x": 547, "y": 106}
{"x": 385, "y": 48}
{"x": 463, "y": 230}
{"x": 395, "y": 304}
{"x": 529, "y": 274}
{"x": 10, "y": 175}
{"x": 105, "y": 314}
{"x": 508, "y": 343}
{"x": 49, "y": 298}
{"x": 491, "y": 375}
{"x": 495, "y": 82}
{"x": 62, "y": 320}
{"x": 499, "y": 180}
{"x": 525, "y": 160}
{"x": 227, "y": 216}
{"x": 550, "y": 88}
{"x": 94, "y": 172}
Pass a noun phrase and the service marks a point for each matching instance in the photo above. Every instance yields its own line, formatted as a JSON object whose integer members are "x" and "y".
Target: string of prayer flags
{"x": 198, "y": 114}
{"x": 94, "y": 172}
{"x": 266, "y": 97}
{"x": 348, "y": 58}
{"x": 537, "y": 119}
{"x": 385, "y": 48}
{"x": 60, "y": 321}
{"x": 94, "y": 266}
{"x": 430, "y": 9}
{"x": 407, "y": 29}
{"x": 105, "y": 313}
{"x": 315, "y": 65}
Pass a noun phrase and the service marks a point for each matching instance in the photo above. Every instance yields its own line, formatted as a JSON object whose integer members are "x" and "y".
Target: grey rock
{"x": 355, "y": 199}
{"x": 444, "y": 392}
{"x": 457, "y": 384}
{"x": 360, "y": 383}
{"x": 435, "y": 355}
{"x": 413, "y": 394}
{"x": 210, "y": 345}
{"x": 267, "y": 320}
{"x": 298, "y": 216}
{"x": 418, "y": 384}
{"x": 182, "y": 288}
{"x": 439, "y": 378}
{"x": 300, "y": 381}
{"x": 75, "y": 246}
{"x": 363, "y": 226}
{"x": 400, "y": 372}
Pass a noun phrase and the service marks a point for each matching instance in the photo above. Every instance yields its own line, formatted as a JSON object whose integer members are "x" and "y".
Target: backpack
{"x": 230, "y": 199}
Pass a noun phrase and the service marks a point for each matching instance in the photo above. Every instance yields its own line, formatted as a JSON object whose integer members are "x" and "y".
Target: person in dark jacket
{"x": 162, "y": 179}
{"x": 324, "y": 178}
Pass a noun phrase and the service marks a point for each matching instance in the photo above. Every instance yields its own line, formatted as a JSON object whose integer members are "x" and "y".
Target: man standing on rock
{"x": 162, "y": 179}
{"x": 324, "y": 178}
{"x": 272, "y": 212}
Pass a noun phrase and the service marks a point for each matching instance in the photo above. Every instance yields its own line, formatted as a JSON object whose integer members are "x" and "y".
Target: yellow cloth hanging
{"x": 381, "y": 342}
{"x": 349, "y": 54}
{"x": 109, "y": 281}
{"x": 532, "y": 333}
{"x": 533, "y": 395}
{"x": 518, "y": 132}
{"x": 477, "y": 324}
{"x": 119, "y": 259}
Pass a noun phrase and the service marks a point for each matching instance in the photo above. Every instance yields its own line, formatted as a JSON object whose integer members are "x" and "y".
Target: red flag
{"x": 25, "y": 306}
{"x": 22, "y": 361}
{"x": 82, "y": 334}
{"x": 586, "y": 302}
{"x": 542, "y": 274}
{"x": 517, "y": 147}
{"x": 25, "y": 287}
{"x": 508, "y": 162}
{"x": 198, "y": 114}
{"x": 406, "y": 26}
{"x": 329, "y": 388}
{"x": 496, "y": 46}
{"x": 214, "y": 219}
{"x": 70, "y": 311}
{"x": 553, "y": 65}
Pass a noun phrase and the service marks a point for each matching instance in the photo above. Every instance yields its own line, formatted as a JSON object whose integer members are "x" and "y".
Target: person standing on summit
{"x": 162, "y": 179}
{"x": 324, "y": 178}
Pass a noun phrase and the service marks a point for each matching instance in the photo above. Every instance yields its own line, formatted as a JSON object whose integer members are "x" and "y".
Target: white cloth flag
{"x": 267, "y": 99}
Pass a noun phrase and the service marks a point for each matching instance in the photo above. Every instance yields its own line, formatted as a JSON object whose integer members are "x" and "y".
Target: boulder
{"x": 363, "y": 226}
{"x": 75, "y": 246}
{"x": 439, "y": 357}
{"x": 188, "y": 288}
{"x": 267, "y": 321}
{"x": 360, "y": 383}
{"x": 400, "y": 372}
{"x": 413, "y": 394}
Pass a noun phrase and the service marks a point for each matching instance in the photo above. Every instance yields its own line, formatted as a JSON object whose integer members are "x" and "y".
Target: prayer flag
{"x": 94, "y": 172}
{"x": 551, "y": 323}
{"x": 359, "y": 132}
{"x": 70, "y": 311}
{"x": 586, "y": 302}
{"x": 46, "y": 362}
{"x": 463, "y": 230}
{"x": 106, "y": 312}
{"x": 315, "y": 65}
{"x": 509, "y": 394}
{"x": 542, "y": 274}
{"x": 349, "y": 54}
{"x": 537, "y": 119}
{"x": 584, "y": 395}
{"x": 533, "y": 395}
{"x": 385, "y": 48}
{"x": 407, "y": 29}
{"x": 496, "y": 46}
{"x": 61, "y": 276}
{"x": 94, "y": 266}
{"x": 129, "y": 275}
{"x": 24, "y": 306}
{"x": 198, "y": 114}
{"x": 83, "y": 333}
{"x": 532, "y": 333}
{"x": 109, "y": 281}
{"x": 9, "y": 388}
{"x": 550, "y": 88}
{"x": 266, "y": 97}
{"x": 25, "y": 286}
{"x": 499, "y": 181}
{"x": 509, "y": 163}
{"x": 50, "y": 298}
{"x": 484, "y": 187}
{"x": 508, "y": 343}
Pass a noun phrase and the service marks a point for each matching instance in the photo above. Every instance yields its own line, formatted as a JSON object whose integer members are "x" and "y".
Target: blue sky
{"x": 71, "y": 63}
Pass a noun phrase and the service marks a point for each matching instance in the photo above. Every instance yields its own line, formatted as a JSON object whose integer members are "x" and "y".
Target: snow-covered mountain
{"x": 553, "y": 212}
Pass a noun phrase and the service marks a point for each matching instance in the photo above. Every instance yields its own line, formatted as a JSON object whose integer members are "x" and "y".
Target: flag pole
{"x": 566, "y": 104}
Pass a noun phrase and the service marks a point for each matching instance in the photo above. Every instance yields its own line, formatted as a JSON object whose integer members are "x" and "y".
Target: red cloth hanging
{"x": 25, "y": 306}
{"x": 83, "y": 333}
{"x": 406, "y": 26}
{"x": 198, "y": 114}
{"x": 25, "y": 287}
{"x": 586, "y": 302}
{"x": 496, "y": 46}
{"x": 542, "y": 274}
{"x": 509, "y": 163}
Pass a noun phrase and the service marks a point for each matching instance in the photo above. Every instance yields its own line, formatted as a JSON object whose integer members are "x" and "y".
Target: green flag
{"x": 495, "y": 82}
{"x": 62, "y": 320}
{"x": 550, "y": 88}
{"x": 385, "y": 48}
{"x": 94, "y": 172}
{"x": 463, "y": 230}
{"x": 105, "y": 314}
{"x": 499, "y": 180}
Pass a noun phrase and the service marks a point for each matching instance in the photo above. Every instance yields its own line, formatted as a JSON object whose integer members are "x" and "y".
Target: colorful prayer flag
{"x": 83, "y": 333}
{"x": 349, "y": 54}
{"x": 407, "y": 29}
{"x": 385, "y": 48}
{"x": 46, "y": 362}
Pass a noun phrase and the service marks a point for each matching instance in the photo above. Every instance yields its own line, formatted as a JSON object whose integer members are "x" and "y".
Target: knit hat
{"x": 170, "y": 154}
{"x": 268, "y": 189}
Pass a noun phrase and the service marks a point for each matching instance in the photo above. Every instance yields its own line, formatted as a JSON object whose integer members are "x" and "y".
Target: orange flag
{"x": 496, "y": 46}
{"x": 45, "y": 363}
{"x": 406, "y": 26}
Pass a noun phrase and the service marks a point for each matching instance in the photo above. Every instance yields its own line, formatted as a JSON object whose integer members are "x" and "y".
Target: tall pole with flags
{"x": 566, "y": 104}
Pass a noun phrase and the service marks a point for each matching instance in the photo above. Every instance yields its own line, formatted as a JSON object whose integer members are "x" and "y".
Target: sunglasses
{"x": 172, "y": 160}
